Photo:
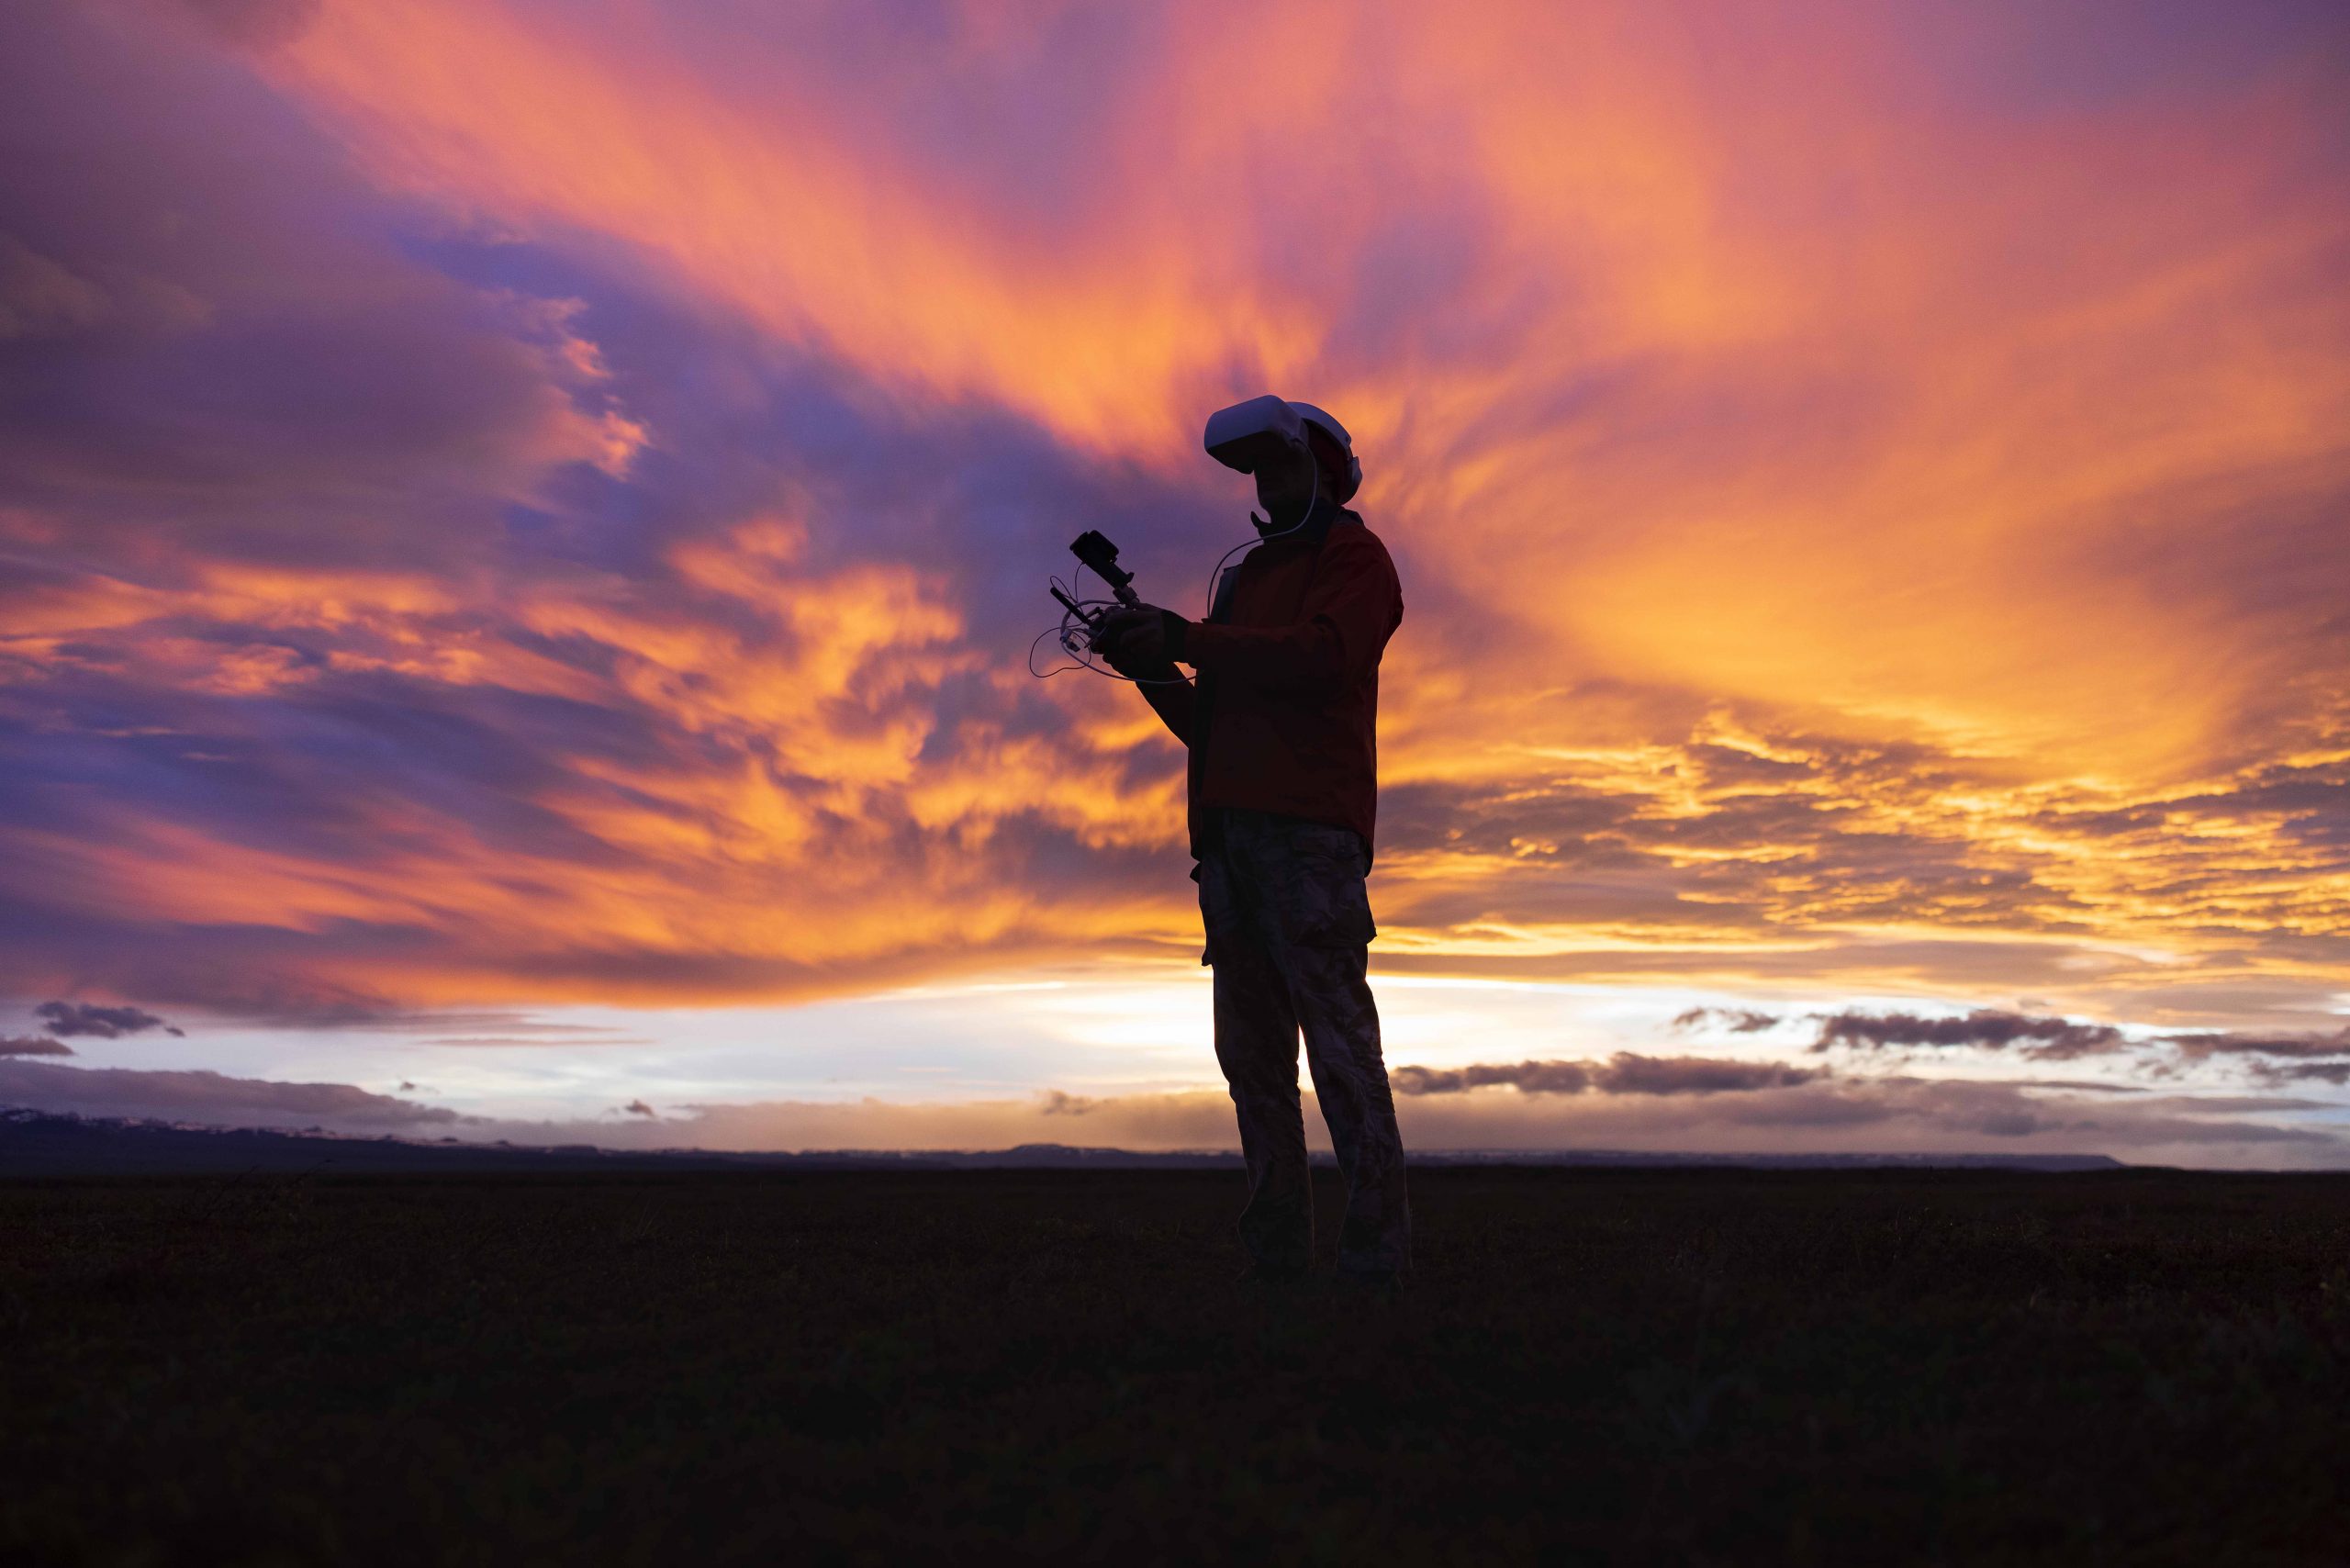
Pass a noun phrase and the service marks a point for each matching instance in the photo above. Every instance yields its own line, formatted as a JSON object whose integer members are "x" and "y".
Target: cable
{"x": 1067, "y": 632}
{"x": 1262, "y": 538}
{"x": 1069, "y": 629}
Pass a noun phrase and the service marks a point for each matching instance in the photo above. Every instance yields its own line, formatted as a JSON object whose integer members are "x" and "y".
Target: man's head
{"x": 1294, "y": 450}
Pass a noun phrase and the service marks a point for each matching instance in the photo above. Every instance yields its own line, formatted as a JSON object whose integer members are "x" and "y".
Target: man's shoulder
{"x": 1347, "y": 545}
{"x": 1351, "y": 535}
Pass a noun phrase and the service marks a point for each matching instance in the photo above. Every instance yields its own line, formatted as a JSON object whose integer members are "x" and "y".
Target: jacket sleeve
{"x": 1352, "y": 607}
{"x": 1173, "y": 704}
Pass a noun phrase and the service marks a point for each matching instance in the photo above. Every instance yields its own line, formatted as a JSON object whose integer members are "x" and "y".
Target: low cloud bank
{"x": 2198, "y": 1046}
{"x": 2041, "y": 1039}
{"x": 33, "y": 1045}
{"x": 1625, "y": 1072}
{"x": 1820, "y": 1113}
{"x": 215, "y": 1099}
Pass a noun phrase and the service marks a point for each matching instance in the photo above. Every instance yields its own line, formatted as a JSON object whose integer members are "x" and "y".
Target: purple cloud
{"x": 211, "y": 1097}
{"x": 1625, "y": 1072}
{"x": 2201, "y": 1045}
{"x": 33, "y": 1045}
{"x": 68, "y": 1019}
{"x": 1737, "y": 1020}
{"x": 2047, "y": 1040}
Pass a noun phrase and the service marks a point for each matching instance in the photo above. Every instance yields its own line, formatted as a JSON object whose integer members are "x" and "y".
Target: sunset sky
{"x": 522, "y": 524}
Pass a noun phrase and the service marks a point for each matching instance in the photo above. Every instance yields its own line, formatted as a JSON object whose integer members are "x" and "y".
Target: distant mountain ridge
{"x": 42, "y": 1143}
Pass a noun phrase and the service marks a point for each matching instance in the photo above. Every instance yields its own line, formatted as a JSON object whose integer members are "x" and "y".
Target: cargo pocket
{"x": 1327, "y": 902}
{"x": 1215, "y": 904}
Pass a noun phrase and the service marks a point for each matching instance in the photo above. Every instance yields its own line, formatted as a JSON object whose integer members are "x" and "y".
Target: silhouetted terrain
{"x": 1722, "y": 1365}
{"x": 34, "y": 1143}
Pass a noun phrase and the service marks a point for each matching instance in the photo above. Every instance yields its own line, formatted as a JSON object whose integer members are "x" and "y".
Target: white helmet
{"x": 1241, "y": 436}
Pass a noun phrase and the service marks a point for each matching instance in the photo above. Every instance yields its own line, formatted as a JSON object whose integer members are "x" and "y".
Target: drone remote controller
{"x": 1096, "y": 553}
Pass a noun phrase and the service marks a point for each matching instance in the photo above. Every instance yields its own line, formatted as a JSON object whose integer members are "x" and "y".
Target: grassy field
{"x": 1716, "y": 1366}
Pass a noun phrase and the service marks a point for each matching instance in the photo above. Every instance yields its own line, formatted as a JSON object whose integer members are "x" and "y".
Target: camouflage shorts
{"x": 1288, "y": 920}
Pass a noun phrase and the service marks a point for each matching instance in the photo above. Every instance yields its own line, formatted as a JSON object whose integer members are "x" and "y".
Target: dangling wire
{"x": 1263, "y": 538}
{"x": 1073, "y": 635}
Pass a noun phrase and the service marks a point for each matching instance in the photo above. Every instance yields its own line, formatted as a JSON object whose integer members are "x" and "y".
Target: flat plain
{"x": 1673, "y": 1366}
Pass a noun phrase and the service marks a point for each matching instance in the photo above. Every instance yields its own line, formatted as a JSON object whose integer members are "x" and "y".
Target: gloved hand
{"x": 1143, "y": 642}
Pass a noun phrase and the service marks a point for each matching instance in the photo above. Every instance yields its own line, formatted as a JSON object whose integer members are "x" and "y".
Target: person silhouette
{"x": 1280, "y": 719}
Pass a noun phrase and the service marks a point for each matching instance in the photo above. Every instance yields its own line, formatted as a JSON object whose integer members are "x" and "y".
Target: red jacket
{"x": 1283, "y": 714}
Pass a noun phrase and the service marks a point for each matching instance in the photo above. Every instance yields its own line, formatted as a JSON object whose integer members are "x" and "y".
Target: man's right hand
{"x": 1113, "y": 640}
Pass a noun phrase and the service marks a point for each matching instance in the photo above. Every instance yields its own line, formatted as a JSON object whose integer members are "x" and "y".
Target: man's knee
{"x": 1331, "y": 987}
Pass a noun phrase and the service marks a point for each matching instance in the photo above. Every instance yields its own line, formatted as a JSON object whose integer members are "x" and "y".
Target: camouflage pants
{"x": 1287, "y": 922}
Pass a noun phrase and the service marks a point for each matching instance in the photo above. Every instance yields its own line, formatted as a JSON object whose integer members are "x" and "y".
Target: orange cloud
{"x": 1932, "y": 430}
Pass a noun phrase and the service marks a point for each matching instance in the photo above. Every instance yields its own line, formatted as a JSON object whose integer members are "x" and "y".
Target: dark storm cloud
{"x": 33, "y": 1045}
{"x": 2047, "y": 1040}
{"x": 1625, "y": 1072}
{"x": 68, "y": 1019}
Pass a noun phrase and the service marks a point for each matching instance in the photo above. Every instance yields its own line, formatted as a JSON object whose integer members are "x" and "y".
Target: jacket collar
{"x": 1325, "y": 514}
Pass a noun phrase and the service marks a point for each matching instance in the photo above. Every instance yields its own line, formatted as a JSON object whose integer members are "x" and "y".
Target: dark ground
{"x": 1720, "y": 1366}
